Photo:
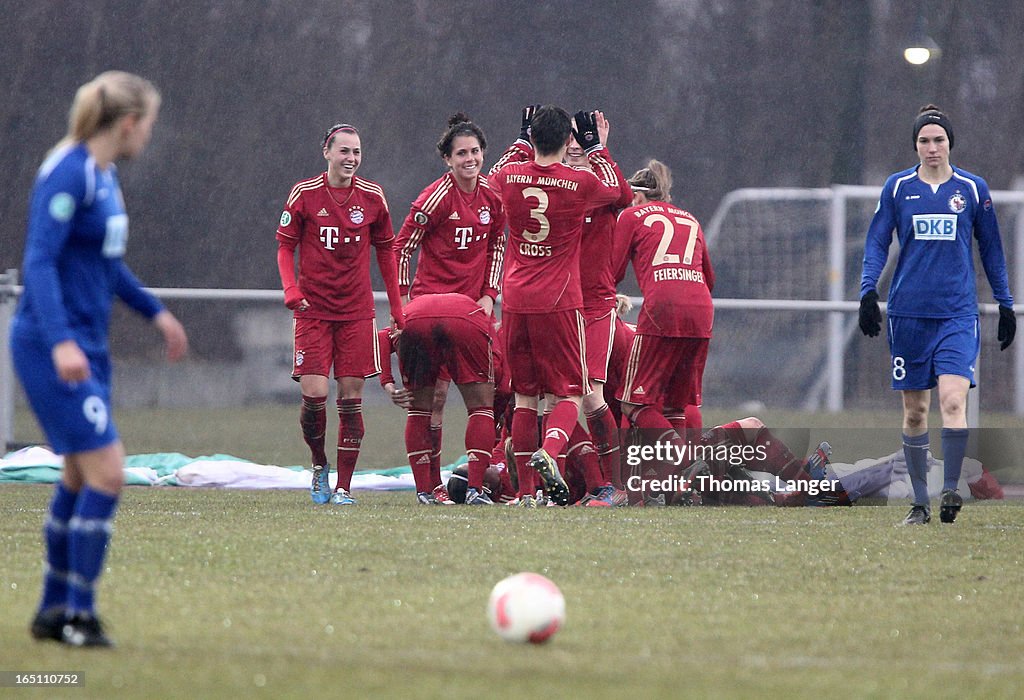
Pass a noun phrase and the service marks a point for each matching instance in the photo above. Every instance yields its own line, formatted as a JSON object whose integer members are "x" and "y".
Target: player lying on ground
{"x": 717, "y": 470}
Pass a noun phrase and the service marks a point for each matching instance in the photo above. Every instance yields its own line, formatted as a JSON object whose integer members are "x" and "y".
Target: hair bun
{"x": 458, "y": 118}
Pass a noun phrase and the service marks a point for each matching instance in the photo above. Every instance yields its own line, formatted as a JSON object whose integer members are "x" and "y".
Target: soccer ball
{"x": 526, "y": 608}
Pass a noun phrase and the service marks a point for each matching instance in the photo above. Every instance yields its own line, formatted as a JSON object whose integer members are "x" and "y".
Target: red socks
{"x": 350, "y": 439}
{"x": 479, "y": 444}
{"x": 418, "y": 447}
{"x": 525, "y": 438}
{"x": 559, "y": 426}
{"x": 606, "y": 439}
{"x": 313, "y": 419}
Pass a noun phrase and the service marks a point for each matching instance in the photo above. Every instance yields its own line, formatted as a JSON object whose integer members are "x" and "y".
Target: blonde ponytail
{"x": 655, "y": 181}
{"x": 106, "y": 98}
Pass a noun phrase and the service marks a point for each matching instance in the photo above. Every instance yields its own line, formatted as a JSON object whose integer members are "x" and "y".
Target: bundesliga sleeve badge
{"x": 420, "y": 218}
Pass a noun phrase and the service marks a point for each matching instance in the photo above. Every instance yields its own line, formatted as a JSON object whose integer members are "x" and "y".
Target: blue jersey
{"x": 934, "y": 275}
{"x": 77, "y": 232}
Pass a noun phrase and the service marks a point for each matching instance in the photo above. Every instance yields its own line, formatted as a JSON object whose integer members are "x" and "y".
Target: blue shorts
{"x": 74, "y": 417}
{"x": 924, "y": 348}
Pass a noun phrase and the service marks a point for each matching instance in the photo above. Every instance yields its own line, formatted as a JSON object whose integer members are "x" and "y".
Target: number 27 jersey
{"x": 666, "y": 245}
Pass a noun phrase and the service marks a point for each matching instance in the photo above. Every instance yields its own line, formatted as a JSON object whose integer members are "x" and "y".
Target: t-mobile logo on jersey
{"x": 329, "y": 236}
{"x": 463, "y": 236}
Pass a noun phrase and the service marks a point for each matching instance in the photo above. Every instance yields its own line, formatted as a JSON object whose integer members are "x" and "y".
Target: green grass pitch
{"x": 229, "y": 594}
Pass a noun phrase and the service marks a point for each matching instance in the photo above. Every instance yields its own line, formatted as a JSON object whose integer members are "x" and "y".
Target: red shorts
{"x": 667, "y": 372}
{"x": 450, "y": 347}
{"x": 600, "y": 335}
{"x": 546, "y": 353}
{"x": 618, "y": 358}
{"x": 350, "y": 346}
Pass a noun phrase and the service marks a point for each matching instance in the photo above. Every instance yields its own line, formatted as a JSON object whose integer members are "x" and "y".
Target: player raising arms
{"x": 666, "y": 364}
{"x": 933, "y": 306}
{"x": 597, "y": 279}
{"x": 458, "y": 225}
{"x": 545, "y": 202}
{"x": 333, "y": 219}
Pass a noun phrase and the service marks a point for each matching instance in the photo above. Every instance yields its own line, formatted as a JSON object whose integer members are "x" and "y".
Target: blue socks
{"x": 954, "y": 446}
{"x": 55, "y": 535}
{"x": 915, "y": 450}
{"x": 88, "y": 534}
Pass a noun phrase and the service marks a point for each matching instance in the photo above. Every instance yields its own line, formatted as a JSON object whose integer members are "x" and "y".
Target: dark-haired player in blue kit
{"x": 933, "y": 308}
{"x": 77, "y": 232}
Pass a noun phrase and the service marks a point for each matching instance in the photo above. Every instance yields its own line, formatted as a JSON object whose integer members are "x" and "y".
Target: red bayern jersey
{"x": 462, "y": 240}
{"x": 333, "y": 229}
{"x": 597, "y": 269}
{"x": 666, "y": 246}
{"x": 545, "y": 205}
{"x": 448, "y": 306}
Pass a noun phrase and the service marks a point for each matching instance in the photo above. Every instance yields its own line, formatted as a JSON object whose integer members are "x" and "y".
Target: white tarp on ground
{"x": 40, "y": 465}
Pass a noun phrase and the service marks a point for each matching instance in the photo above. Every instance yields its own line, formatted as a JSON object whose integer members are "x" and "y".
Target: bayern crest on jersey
{"x": 957, "y": 203}
{"x": 356, "y": 215}
{"x": 300, "y": 357}
{"x": 485, "y": 215}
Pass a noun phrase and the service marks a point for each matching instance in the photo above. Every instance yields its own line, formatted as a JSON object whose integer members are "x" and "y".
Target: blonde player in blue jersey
{"x": 77, "y": 232}
{"x": 935, "y": 209}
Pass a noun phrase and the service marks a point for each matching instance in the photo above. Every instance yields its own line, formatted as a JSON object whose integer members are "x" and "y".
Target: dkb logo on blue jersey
{"x": 935, "y": 227}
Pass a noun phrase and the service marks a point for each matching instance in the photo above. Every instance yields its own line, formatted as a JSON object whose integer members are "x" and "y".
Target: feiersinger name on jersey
{"x": 681, "y": 274}
{"x": 547, "y": 181}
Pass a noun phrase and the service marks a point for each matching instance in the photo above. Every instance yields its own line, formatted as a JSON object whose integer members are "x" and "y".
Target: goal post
{"x": 790, "y": 249}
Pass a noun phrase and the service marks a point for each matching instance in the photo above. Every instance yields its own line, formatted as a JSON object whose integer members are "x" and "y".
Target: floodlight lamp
{"x": 921, "y": 48}
{"x": 917, "y": 55}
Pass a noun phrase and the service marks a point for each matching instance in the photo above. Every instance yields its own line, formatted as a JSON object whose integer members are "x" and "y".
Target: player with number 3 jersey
{"x": 545, "y": 202}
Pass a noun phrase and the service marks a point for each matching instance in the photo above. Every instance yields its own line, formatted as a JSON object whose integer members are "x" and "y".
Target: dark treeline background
{"x": 729, "y": 93}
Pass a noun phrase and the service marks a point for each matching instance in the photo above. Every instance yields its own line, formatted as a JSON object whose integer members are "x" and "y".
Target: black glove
{"x": 1007, "y": 327}
{"x": 870, "y": 315}
{"x": 586, "y": 131}
{"x": 524, "y": 131}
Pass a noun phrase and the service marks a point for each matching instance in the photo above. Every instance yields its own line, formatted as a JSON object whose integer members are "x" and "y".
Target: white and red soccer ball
{"x": 526, "y": 607}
